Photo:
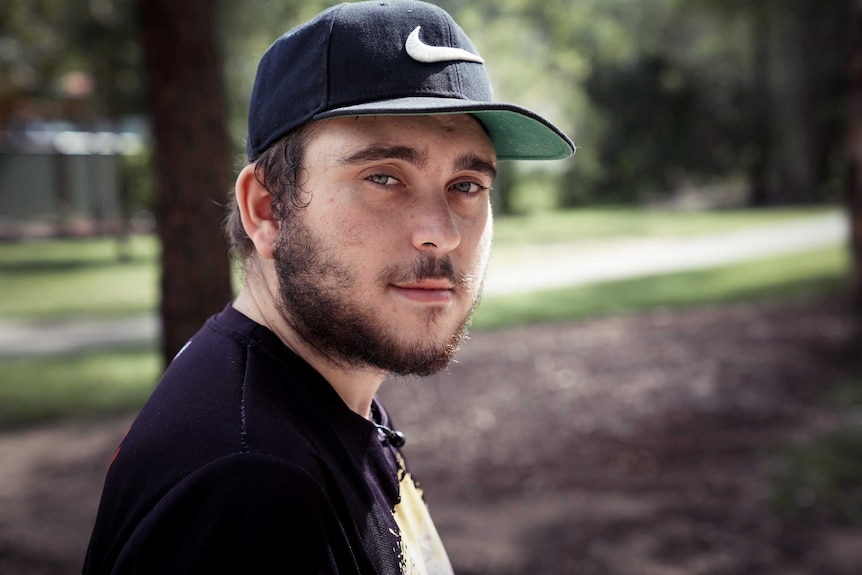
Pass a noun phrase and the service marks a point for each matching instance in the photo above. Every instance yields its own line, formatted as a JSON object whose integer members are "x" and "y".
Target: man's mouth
{"x": 430, "y": 290}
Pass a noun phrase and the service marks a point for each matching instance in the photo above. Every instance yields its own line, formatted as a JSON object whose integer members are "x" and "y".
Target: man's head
{"x": 373, "y": 141}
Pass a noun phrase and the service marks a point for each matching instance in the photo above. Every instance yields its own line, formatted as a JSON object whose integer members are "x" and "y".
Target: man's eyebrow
{"x": 381, "y": 152}
{"x": 476, "y": 163}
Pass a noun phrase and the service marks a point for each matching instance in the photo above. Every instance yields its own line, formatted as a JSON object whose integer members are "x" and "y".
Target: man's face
{"x": 385, "y": 264}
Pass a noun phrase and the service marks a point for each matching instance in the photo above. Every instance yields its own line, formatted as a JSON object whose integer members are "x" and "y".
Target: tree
{"x": 192, "y": 156}
{"x": 70, "y": 60}
{"x": 854, "y": 150}
{"x": 792, "y": 103}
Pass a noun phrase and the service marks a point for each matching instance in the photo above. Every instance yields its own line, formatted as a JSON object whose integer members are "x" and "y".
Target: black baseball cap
{"x": 379, "y": 58}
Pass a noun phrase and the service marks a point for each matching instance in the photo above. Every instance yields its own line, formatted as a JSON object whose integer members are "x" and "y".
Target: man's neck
{"x": 356, "y": 386}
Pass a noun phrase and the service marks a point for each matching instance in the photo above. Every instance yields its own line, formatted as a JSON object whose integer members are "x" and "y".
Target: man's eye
{"x": 467, "y": 187}
{"x": 382, "y": 179}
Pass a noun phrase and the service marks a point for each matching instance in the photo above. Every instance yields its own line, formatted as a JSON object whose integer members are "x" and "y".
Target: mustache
{"x": 426, "y": 266}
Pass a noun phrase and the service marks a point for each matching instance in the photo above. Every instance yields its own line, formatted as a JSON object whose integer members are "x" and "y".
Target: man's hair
{"x": 279, "y": 169}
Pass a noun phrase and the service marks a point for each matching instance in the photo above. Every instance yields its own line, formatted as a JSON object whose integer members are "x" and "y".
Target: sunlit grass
{"x": 794, "y": 276}
{"x": 84, "y": 277}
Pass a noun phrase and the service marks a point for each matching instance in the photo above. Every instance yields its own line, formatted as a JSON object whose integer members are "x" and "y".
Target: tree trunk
{"x": 798, "y": 53}
{"x": 192, "y": 156}
{"x": 761, "y": 30}
{"x": 791, "y": 105}
{"x": 854, "y": 141}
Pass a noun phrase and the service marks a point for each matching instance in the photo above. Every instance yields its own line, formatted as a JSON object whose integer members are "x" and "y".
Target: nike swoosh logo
{"x": 422, "y": 52}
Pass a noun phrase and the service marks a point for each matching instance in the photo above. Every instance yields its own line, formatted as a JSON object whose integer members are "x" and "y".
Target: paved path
{"x": 50, "y": 337}
{"x": 526, "y": 268}
{"x": 558, "y": 265}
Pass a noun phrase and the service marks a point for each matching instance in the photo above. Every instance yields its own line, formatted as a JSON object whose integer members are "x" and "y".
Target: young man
{"x": 364, "y": 225}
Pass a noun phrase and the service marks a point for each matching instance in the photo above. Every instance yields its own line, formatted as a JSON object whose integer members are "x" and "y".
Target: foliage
{"x": 821, "y": 479}
{"x": 51, "y": 49}
{"x": 661, "y": 94}
{"x": 137, "y": 183}
{"x": 658, "y": 94}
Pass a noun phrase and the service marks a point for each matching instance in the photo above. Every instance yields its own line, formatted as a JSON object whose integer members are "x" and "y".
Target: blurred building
{"x": 61, "y": 162}
{"x": 55, "y": 180}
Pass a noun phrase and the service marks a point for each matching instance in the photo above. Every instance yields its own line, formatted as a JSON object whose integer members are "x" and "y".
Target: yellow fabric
{"x": 422, "y": 551}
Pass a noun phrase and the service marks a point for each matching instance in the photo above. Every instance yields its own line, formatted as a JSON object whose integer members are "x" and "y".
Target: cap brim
{"x": 517, "y": 133}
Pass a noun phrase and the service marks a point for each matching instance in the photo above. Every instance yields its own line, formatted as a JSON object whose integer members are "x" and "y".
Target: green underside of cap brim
{"x": 517, "y": 133}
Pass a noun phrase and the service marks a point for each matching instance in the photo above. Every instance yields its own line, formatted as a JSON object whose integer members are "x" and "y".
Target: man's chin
{"x": 423, "y": 368}
{"x": 421, "y": 359}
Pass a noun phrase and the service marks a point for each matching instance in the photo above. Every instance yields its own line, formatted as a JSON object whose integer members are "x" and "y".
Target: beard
{"x": 314, "y": 300}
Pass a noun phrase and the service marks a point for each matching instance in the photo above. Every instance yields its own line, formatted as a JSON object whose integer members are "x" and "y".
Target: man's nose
{"x": 435, "y": 227}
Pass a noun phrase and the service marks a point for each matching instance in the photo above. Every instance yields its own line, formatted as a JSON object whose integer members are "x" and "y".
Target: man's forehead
{"x": 408, "y": 132}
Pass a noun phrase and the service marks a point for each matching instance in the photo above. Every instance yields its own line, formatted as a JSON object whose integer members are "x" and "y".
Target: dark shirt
{"x": 246, "y": 460}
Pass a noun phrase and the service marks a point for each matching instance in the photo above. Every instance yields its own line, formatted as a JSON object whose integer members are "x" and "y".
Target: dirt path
{"x": 627, "y": 445}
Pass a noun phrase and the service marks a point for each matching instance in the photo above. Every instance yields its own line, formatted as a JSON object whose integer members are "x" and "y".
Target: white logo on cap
{"x": 422, "y": 52}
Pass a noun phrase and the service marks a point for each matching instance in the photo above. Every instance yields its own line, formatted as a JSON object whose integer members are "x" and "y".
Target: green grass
{"x": 81, "y": 277}
{"x": 85, "y": 385}
{"x": 794, "y": 276}
{"x": 821, "y": 479}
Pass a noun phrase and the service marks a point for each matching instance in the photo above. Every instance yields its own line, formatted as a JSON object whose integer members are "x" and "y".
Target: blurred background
{"x": 665, "y": 373}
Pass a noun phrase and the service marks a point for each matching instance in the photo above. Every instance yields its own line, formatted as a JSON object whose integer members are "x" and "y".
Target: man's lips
{"x": 426, "y": 291}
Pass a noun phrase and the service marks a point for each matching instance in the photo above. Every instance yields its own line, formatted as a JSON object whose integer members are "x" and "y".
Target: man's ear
{"x": 255, "y": 208}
